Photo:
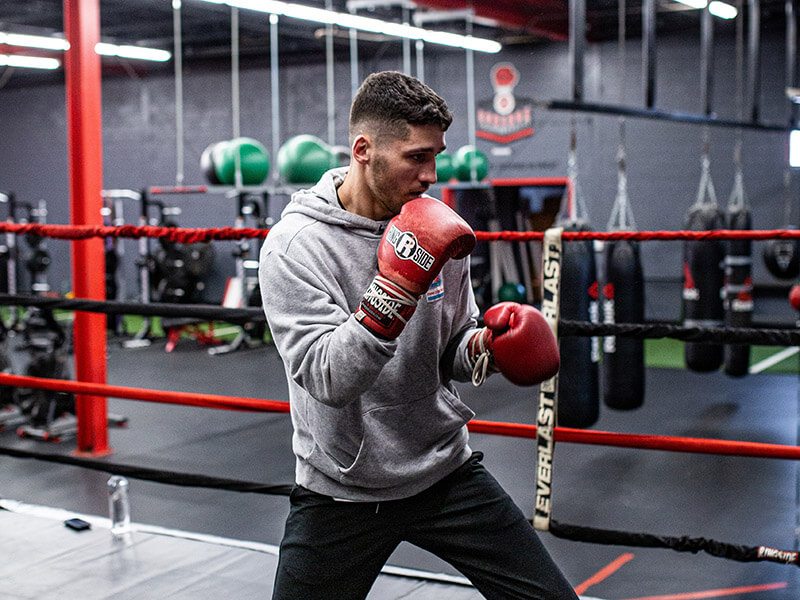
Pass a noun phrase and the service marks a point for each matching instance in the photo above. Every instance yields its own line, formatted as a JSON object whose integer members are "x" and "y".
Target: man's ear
{"x": 361, "y": 148}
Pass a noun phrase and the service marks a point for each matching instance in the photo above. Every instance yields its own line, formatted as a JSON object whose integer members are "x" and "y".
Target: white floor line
{"x": 60, "y": 514}
{"x": 773, "y": 360}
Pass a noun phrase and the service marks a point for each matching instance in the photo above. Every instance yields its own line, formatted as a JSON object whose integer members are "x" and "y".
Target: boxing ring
{"x": 695, "y": 449}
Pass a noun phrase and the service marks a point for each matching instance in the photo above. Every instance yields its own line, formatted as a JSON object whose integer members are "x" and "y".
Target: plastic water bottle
{"x": 119, "y": 507}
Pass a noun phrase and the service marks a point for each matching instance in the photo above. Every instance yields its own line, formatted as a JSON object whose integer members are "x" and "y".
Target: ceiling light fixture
{"x": 723, "y": 10}
{"x": 350, "y": 21}
{"x": 33, "y": 41}
{"x": 102, "y": 48}
{"x": 794, "y": 148}
{"x": 31, "y": 62}
{"x": 693, "y": 3}
{"x": 135, "y": 52}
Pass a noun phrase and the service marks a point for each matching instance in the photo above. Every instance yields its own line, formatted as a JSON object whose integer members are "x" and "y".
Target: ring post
{"x": 84, "y": 137}
{"x": 547, "y": 414}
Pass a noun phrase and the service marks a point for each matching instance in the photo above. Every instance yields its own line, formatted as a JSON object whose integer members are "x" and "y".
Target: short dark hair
{"x": 389, "y": 101}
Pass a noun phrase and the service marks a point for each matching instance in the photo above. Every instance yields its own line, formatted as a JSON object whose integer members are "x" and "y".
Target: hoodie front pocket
{"x": 403, "y": 441}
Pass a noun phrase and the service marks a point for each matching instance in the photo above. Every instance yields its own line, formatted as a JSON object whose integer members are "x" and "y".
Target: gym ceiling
{"x": 206, "y": 28}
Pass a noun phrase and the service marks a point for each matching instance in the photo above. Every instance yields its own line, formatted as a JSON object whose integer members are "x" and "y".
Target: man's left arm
{"x": 455, "y": 363}
{"x": 516, "y": 341}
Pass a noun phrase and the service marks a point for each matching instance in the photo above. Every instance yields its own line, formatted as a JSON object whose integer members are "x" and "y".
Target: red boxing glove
{"x": 794, "y": 296}
{"x": 518, "y": 342}
{"x": 415, "y": 246}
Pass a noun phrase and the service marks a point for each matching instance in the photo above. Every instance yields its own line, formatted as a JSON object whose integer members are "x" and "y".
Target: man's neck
{"x": 357, "y": 198}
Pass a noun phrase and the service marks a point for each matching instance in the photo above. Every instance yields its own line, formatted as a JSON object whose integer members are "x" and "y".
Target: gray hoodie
{"x": 373, "y": 419}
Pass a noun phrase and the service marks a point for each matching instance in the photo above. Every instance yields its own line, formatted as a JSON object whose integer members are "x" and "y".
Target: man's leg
{"x": 331, "y": 549}
{"x": 470, "y": 521}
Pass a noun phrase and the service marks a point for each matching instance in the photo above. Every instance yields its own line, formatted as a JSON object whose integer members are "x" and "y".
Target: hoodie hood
{"x": 320, "y": 203}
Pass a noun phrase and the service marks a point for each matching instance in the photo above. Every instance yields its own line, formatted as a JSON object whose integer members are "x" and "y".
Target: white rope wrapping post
{"x": 547, "y": 413}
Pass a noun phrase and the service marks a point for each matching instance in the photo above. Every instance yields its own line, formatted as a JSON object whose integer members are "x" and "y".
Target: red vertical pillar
{"x": 449, "y": 197}
{"x": 84, "y": 138}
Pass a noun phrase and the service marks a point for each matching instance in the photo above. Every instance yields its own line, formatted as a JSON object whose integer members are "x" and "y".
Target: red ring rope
{"x": 130, "y": 393}
{"x": 563, "y": 434}
{"x": 191, "y": 235}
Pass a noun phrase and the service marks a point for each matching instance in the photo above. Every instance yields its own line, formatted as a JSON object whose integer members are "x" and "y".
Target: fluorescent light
{"x": 136, "y": 52}
{"x": 723, "y": 10}
{"x": 54, "y": 43}
{"x": 693, "y": 3}
{"x": 31, "y": 62}
{"x": 33, "y": 41}
{"x": 794, "y": 148}
{"x": 349, "y": 21}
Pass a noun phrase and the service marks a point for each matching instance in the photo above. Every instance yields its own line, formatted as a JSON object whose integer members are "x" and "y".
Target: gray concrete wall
{"x": 663, "y": 157}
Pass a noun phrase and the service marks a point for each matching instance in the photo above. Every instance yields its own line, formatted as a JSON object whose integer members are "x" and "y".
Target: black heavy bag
{"x": 703, "y": 277}
{"x": 623, "y": 302}
{"x": 782, "y": 258}
{"x": 738, "y": 291}
{"x": 578, "y": 379}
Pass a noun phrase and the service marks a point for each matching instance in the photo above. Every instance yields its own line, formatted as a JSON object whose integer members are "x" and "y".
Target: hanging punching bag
{"x": 702, "y": 287}
{"x": 578, "y": 379}
{"x": 623, "y": 302}
{"x": 738, "y": 290}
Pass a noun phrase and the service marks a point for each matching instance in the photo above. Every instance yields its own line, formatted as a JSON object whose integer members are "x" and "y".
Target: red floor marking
{"x": 748, "y": 589}
{"x": 609, "y": 569}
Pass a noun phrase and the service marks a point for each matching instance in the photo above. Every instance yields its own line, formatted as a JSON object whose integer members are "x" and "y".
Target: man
{"x": 368, "y": 297}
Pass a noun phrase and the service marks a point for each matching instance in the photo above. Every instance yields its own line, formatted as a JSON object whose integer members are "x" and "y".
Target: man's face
{"x": 401, "y": 170}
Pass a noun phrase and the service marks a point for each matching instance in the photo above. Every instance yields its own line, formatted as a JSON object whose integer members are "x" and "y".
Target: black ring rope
{"x": 593, "y": 535}
{"x": 157, "y": 475}
{"x": 578, "y": 533}
{"x": 726, "y": 335}
{"x": 206, "y": 312}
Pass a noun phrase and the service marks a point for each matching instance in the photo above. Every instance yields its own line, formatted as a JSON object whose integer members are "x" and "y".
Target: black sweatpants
{"x": 333, "y": 550}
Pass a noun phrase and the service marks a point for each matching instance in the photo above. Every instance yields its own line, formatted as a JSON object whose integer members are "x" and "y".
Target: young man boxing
{"x": 366, "y": 288}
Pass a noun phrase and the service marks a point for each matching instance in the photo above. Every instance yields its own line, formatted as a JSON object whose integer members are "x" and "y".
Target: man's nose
{"x": 428, "y": 173}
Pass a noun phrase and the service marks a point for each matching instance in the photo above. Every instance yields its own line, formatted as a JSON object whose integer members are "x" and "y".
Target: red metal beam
{"x": 84, "y": 138}
{"x": 545, "y": 18}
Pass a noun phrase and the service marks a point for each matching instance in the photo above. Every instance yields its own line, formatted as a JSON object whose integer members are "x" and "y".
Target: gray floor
{"x": 747, "y": 501}
{"x": 53, "y": 562}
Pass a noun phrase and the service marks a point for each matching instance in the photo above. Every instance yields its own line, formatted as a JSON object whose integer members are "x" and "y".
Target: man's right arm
{"x": 327, "y": 352}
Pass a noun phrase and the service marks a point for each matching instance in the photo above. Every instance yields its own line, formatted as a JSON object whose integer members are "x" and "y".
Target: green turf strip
{"x": 668, "y": 353}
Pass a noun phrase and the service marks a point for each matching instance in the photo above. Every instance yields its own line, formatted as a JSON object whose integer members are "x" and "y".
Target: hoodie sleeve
{"x": 326, "y": 351}
{"x": 455, "y": 363}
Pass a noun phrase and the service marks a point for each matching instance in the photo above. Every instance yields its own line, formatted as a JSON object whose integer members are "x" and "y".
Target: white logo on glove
{"x": 406, "y": 248}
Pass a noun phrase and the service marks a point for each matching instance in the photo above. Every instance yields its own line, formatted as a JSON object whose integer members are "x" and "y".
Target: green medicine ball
{"x": 468, "y": 158}
{"x": 444, "y": 167}
{"x": 304, "y": 158}
{"x": 511, "y": 292}
{"x": 207, "y": 164}
{"x": 253, "y": 157}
